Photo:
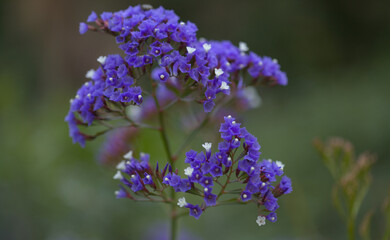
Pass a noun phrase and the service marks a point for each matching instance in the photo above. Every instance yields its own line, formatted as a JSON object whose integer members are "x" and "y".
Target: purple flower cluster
{"x": 156, "y": 43}
{"x": 113, "y": 81}
{"x": 256, "y": 176}
{"x": 134, "y": 174}
{"x": 236, "y": 59}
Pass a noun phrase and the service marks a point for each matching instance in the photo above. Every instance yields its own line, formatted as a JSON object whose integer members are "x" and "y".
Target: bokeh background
{"x": 336, "y": 55}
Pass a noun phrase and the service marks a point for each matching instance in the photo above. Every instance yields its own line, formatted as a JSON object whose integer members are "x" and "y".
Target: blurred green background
{"x": 336, "y": 55}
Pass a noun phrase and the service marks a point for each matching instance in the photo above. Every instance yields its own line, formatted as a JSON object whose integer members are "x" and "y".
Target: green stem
{"x": 174, "y": 218}
{"x": 227, "y": 180}
{"x": 164, "y": 138}
{"x": 351, "y": 228}
{"x": 162, "y": 127}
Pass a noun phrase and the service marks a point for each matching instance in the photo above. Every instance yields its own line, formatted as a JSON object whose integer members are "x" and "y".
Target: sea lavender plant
{"x": 164, "y": 64}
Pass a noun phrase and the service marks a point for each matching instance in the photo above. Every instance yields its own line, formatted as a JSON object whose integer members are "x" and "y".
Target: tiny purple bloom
{"x": 83, "y": 28}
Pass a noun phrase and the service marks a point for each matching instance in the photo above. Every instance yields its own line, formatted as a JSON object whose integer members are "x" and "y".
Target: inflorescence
{"x": 234, "y": 168}
{"x": 162, "y": 63}
{"x": 156, "y": 40}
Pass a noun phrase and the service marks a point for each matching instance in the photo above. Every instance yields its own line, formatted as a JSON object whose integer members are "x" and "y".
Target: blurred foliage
{"x": 352, "y": 178}
{"x": 336, "y": 54}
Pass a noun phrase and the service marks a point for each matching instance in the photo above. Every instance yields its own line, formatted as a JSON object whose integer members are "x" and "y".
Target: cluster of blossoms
{"x": 258, "y": 178}
{"x": 155, "y": 39}
{"x": 114, "y": 82}
{"x": 160, "y": 50}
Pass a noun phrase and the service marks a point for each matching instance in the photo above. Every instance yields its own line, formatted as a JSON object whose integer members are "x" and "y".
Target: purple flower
{"x": 208, "y": 105}
{"x": 175, "y": 180}
{"x": 270, "y": 202}
{"x": 92, "y": 17}
{"x": 285, "y": 185}
{"x": 272, "y": 217}
{"x": 206, "y": 181}
{"x": 246, "y": 196}
{"x": 121, "y": 193}
{"x": 167, "y": 179}
{"x": 209, "y": 198}
{"x": 185, "y": 185}
{"x": 83, "y": 28}
{"x": 216, "y": 171}
{"x": 163, "y": 76}
{"x": 195, "y": 211}
{"x": 136, "y": 183}
{"x": 148, "y": 179}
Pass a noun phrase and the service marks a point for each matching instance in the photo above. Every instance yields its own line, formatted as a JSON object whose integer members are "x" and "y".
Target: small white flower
{"x": 182, "y": 202}
{"x": 191, "y": 50}
{"x": 188, "y": 171}
{"x": 234, "y": 122}
{"x": 142, "y": 154}
{"x": 102, "y": 59}
{"x": 224, "y": 86}
{"x": 121, "y": 165}
{"x": 146, "y": 6}
{"x": 252, "y": 97}
{"x": 207, "y": 146}
{"x": 139, "y": 97}
{"x": 218, "y": 72}
{"x": 244, "y": 196}
{"x": 260, "y": 220}
{"x": 243, "y": 47}
{"x": 116, "y": 193}
{"x": 202, "y": 39}
{"x": 118, "y": 176}
{"x": 134, "y": 112}
{"x": 71, "y": 100}
{"x": 230, "y": 116}
{"x": 90, "y": 73}
{"x": 236, "y": 140}
{"x": 128, "y": 155}
{"x": 260, "y": 63}
{"x": 229, "y": 159}
{"x": 89, "y": 95}
{"x": 206, "y": 47}
{"x": 77, "y": 96}
{"x": 206, "y": 189}
{"x": 86, "y": 84}
{"x": 252, "y": 169}
{"x": 280, "y": 164}
{"x": 275, "y": 60}
{"x": 263, "y": 184}
{"x": 182, "y": 23}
